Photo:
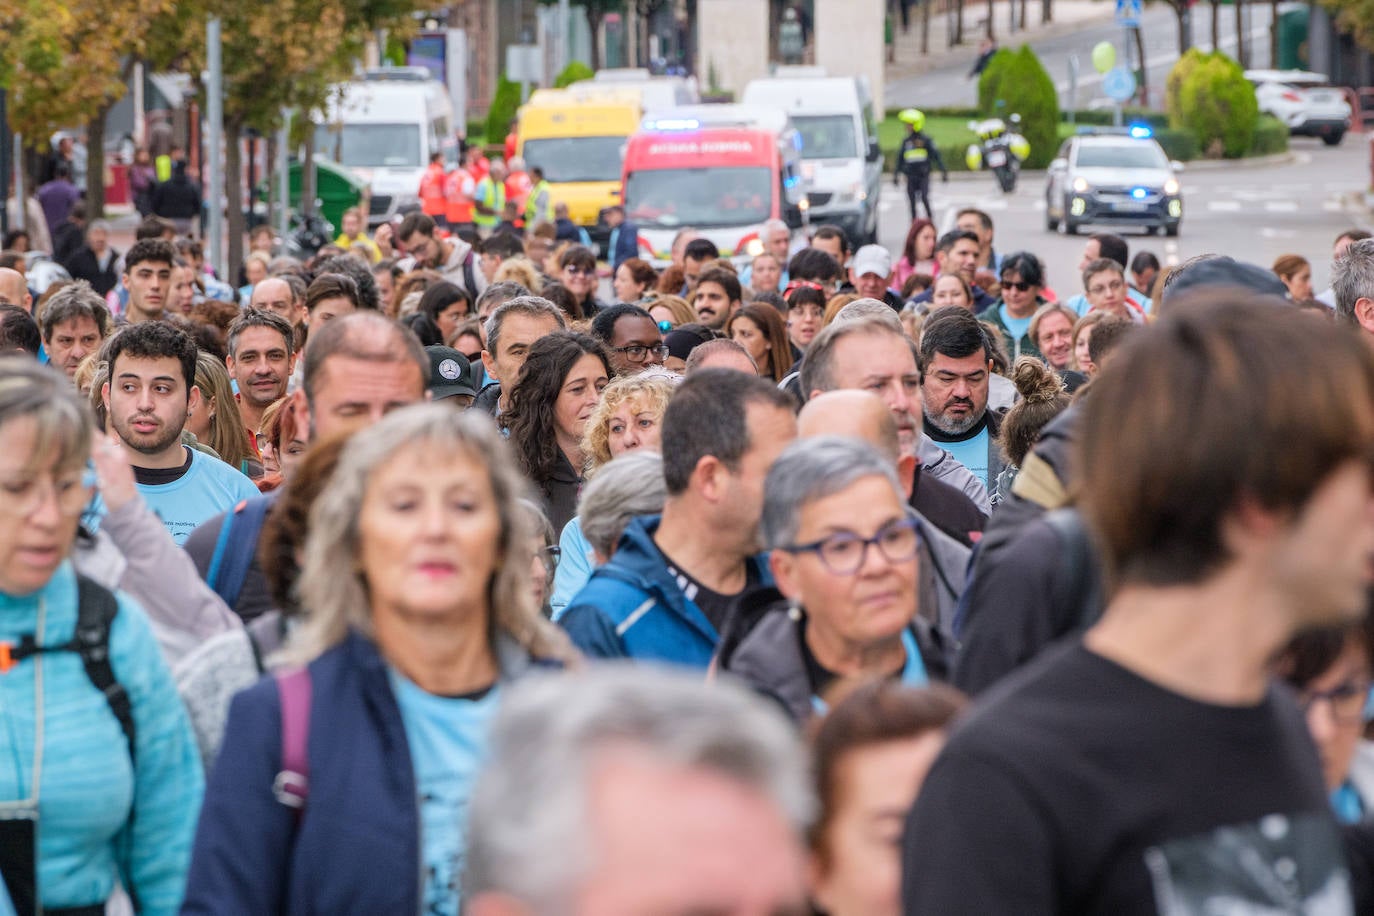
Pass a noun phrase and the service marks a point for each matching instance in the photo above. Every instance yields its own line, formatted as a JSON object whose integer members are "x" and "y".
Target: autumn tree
{"x": 67, "y": 64}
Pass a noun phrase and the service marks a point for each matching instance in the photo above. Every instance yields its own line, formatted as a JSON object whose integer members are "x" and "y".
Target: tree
{"x": 645, "y": 11}
{"x": 1355, "y": 17}
{"x": 67, "y": 64}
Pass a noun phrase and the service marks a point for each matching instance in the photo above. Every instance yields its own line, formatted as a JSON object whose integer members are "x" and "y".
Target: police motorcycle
{"x": 1000, "y": 149}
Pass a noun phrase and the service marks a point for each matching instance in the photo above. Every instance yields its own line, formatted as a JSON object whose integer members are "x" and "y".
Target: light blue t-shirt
{"x": 448, "y": 738}
{"x": 972, "y": 454}
{"x": 1016, "y": 326}
{"x": 914, "y": 672}
{"x": 575, "y": 565}
{"x": 208, "y": 488}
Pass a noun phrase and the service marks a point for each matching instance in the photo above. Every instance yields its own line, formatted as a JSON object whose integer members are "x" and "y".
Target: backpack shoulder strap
{"x": 235, "y": 547}
{"x": 292, "y": 785}
{"x": 469, "y": 278}
{"x": 1077, "y": 585}
{"x": 96, "y": 610}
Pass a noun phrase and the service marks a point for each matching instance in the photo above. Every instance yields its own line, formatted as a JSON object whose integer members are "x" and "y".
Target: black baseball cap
{"x": 449, "y": 373}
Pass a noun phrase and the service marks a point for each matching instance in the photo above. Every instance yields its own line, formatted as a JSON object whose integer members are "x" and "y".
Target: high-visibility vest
{"x": 432, "y": 190}
{"x": 539, "y": 205}
{"x": 458, "y": 196}
{"x": 492, "y": 196}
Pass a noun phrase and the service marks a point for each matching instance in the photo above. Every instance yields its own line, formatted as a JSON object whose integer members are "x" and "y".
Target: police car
{"x": 1113, "y": 177}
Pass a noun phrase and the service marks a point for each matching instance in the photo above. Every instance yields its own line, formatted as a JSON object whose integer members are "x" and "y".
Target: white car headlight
{"x": 1171, "y": 186}
{"x": 1080, "y": 185}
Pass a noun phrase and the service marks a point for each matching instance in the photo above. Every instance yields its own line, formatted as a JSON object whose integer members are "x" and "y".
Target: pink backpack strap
{"x": 292, "y": 785}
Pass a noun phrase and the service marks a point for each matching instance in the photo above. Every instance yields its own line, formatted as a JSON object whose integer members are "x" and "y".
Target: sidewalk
{"x": 1069, "y": 16}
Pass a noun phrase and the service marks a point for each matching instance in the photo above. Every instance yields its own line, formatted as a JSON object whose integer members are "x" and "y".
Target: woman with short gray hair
{"x": 417, "y": 579}
{"x": 851, "y": 601}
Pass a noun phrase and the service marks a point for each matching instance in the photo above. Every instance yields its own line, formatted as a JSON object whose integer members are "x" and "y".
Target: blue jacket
{"x": 357, "y": 846}
{"x": 633, "y": 608}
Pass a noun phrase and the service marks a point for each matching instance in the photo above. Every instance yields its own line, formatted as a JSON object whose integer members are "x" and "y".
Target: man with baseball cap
{"x": 869, "y": 272}
{"x": 449, "y": 377}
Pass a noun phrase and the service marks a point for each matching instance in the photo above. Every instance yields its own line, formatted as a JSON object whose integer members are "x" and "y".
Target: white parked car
{"x": 1305, "y": 101}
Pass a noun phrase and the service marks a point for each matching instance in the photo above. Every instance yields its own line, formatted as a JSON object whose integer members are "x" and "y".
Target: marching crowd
{"x": 415, "y": 577}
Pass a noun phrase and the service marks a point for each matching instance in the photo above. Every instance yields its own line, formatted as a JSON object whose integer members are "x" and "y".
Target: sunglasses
{"x": 1021, "y": 285}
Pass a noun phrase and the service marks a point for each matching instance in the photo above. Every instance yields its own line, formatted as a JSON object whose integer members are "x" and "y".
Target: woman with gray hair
{"x": 852, "y": 601}
{"x": 417, "y": 577}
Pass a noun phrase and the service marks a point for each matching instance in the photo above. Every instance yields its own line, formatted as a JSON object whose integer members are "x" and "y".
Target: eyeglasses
{"x": 550, "y": 556}
{"x": 1022, "y": 285}
{"x": 1347, "y": 701}
{"x": 1116, "y": 287}
{"x": 21, "y": 497}
{"x": 637, "y": 353}
{"x": 845, "y": 553}
{"x": 574, "y": 271}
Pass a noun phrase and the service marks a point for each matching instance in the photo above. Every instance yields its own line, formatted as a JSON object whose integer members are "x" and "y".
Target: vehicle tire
{"x": 1070, "y": 227}
{"x": 1333, "y": 139}
{"x": 1171, "y": 231}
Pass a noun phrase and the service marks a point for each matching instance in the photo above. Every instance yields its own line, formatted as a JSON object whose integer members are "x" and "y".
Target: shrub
{"x": 1271, "y": 137}
{"x": 504, "y": 104}
{"x": 1178, "y": 144}
{"x": 990, "y": 83}
{"x": 1208, "y": 94}
{"x": 575, "y": 72}
{"x": 1021, "y": 86}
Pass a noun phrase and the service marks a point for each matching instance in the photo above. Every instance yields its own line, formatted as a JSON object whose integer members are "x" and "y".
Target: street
{"x": 1251, "y": 212}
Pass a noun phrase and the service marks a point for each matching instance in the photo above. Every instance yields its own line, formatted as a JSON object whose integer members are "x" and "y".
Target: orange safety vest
{"x": 458, "y": 196}
{"x": 432, "y": 190}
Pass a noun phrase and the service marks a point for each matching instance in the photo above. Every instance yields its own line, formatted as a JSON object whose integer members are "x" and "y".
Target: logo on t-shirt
{"x": 1280, "y": 864}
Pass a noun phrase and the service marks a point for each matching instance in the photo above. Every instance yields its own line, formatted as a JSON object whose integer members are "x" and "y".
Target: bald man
{"x": 721, "y": 354}
{"x": 864, "y": 415}
{"x": 274, "y": 295}
{"x": 13, "y": 289}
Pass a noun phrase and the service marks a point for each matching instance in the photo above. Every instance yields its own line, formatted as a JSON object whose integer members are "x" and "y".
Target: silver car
{"x": 1113, "y": 177}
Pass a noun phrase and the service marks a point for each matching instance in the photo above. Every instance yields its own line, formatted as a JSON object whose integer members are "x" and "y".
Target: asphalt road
{"x": 952, "y": 87}
{"x": 1251, "y": 212}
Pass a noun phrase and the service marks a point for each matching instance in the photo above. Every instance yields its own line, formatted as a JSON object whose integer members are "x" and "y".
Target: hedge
{"x": 1271, "y": 137}
{"x": 574, "y": 72}
{"x": 504, "y": 104}
{"x": 1177, "y": 144}
{"x": 1209, "y": 95}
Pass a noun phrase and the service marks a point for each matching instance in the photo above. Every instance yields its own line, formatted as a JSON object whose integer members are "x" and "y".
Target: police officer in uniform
{"x": 914, "y": 160}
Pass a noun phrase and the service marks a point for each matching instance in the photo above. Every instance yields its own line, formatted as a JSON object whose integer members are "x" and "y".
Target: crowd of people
{"x": 416, "y": 577}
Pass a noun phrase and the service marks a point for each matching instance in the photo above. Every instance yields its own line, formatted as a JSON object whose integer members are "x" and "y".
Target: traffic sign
{"x": 1128, "y": 13}
{"x": 1119, "y": 84}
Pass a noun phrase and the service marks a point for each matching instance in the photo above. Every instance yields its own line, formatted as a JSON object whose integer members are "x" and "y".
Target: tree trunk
{"x": 1046, "y": 11}
{"x": 958, "y": 23}
{"x": 1274, "y": 34}
{"x": 1242, "y": 55}
{"x": 594, "y": 26}
{"x": 925, "y": 26}
{"x": 991, "y": 35}
{"x": 95, "y": 164}
{"x": 234, "y": 227}
{"x": 1216, "y": 24}
{"x": 1022, "y": 19}
{"x": 691, "y": 39}
{"x": 1185, "y": 25}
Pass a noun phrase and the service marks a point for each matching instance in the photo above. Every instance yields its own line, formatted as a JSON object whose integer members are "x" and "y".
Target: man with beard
{"x": 148, "y": 279}
{"x": 956, "y": 364}
{"x": 452, "y": 257}
{"x": 261, "y": 359}
{"x": 150, "y": 394}
{"x": 718, "y": 297}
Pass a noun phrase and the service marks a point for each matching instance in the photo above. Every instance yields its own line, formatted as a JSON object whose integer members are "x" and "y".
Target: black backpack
{"x": 96, "y": 610}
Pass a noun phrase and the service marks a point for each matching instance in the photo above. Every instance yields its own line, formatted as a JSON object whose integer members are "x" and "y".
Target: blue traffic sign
{"x": 1119, "y": 84}
{"x": 1128, "y": 12}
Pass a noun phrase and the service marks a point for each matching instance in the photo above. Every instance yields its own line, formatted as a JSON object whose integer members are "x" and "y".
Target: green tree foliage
{"x": 574, "y": 72}
{"x": 1020, "y": 85}
{"x": 504, "y": 105}
{"x": 1215, "y": 101}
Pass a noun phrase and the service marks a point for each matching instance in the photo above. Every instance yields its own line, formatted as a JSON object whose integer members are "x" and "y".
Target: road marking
{"x": 1269, "y": 233}
{"x": 1224, "y": 206}
{"x": 1282, "y": 206}
{"x": 1332, "y": 206}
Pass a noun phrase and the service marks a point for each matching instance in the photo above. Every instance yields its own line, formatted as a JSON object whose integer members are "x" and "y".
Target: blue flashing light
{"x": 1141, "y": 131}
{"x": 1138, "y": 193}
{"x": 675, "y": 124}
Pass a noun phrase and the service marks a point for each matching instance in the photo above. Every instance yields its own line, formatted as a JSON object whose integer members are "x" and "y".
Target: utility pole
{"x": 4, "y": 165}
{"x": 214, "y": 141}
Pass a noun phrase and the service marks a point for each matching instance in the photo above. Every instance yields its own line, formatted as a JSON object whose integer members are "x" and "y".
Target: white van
{"x": 384, "y": 128}
{"x": 841, "y": 163}
{"x": 657, "y": 91}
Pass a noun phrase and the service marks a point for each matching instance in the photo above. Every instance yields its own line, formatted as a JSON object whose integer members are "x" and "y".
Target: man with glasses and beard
{"x": 955, "y": 367}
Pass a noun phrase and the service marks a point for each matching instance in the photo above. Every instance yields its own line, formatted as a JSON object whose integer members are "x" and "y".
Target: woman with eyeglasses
{"x": 99, "y": 780}
{"x": 847, "y": 557}
{"x": 1331, "y": 670}
{"x": 805, "y": 313}
{"x": 559, "y": 386}
{"x": 1022, "y": 280}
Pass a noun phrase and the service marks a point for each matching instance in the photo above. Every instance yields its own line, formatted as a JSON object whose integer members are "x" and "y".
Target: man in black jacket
{"x": 178, "y": 199}
{"x": 95, "y": 261}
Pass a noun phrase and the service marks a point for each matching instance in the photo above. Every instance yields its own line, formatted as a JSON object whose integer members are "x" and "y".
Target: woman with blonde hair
{"x": 215, "y": 421}
{"x": 628, "y": 419}
{"x": 519, "y": 270}
{"x": 338, "y": 779}
{"x": 673, "y": 309}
